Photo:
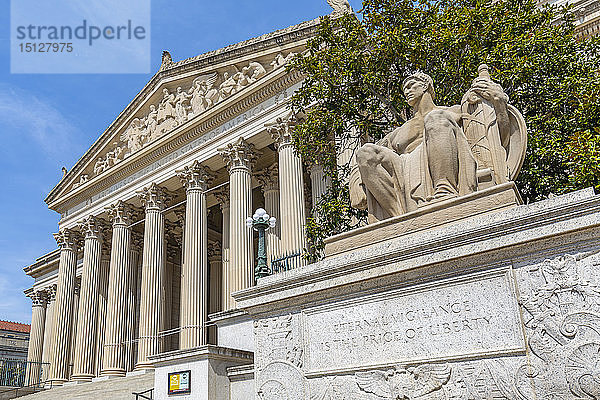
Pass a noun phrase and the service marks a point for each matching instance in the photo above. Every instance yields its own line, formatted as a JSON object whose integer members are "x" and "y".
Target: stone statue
{"x": 134, "y": 136}
{"x": 203, "y": 94}
{"x": 340, "y": 6}
{"x": 430, "y": 158}
{"x": 181, "y": 106}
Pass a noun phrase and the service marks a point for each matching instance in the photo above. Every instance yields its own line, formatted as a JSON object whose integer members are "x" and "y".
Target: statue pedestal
{"x": 491, "y": 200}
{"x": 504, "y": 304}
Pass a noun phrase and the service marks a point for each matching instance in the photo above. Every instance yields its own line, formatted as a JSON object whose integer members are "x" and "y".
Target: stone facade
{"x": 152, "y": 236}
{"x": 503, "y": 306}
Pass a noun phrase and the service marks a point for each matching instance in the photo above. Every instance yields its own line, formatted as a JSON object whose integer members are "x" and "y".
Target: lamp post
{"x": 260, "y": 222}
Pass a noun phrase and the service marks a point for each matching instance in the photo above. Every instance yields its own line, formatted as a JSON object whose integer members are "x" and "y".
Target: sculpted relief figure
{"x": 203, "y": 94}
{"x": 176, "y": 108}
{"x": 181, "y": 106}
{"x": 430, "y": 157}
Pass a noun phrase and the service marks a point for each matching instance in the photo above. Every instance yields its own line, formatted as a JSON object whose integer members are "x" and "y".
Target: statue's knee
{"x": 366, "y": 155}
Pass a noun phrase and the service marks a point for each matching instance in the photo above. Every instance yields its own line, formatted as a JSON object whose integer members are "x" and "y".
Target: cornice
{"x": 276, "y": 39}
{"x": 269, "y": 86}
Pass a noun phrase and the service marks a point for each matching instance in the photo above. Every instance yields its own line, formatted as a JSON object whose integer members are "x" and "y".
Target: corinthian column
{"x": 36, "y": 337}
{"x": 269, "y": 180}
{"x": 135, "y": 248}
{"x": 223, "y": 199}
{"x": 154, "y": 199}
{"x": 113, "y": 357}
{"x": 63, "y": 313}
{"x": 291, "y": 187}
{"x": 240, "y": 158}
{"x": 214, "y": 286}
{"x": 194, "y": 272}
{"x": 48, "y": 353}
{"x": 87, "y": 321}
{"x": 102, "y": 305}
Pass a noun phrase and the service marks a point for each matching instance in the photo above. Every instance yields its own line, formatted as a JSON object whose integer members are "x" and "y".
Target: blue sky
{"x": 49, "y": 121}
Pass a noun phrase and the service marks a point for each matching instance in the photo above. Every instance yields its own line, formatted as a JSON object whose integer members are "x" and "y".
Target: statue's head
{"x": 417, "y": 84}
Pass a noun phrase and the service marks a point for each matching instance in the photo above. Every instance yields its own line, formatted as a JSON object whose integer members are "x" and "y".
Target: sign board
{"x": 180, "y": 382}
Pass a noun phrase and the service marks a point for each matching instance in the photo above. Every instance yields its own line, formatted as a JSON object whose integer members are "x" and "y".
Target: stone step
{"x": 110, "y": 389}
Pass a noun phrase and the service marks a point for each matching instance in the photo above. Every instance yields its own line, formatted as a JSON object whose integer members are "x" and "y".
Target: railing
{"x": 19, "y": 373}
{"x": 142, "y": 395}
{"x": 286, "y": 263}
{"x": 29, "y": 389}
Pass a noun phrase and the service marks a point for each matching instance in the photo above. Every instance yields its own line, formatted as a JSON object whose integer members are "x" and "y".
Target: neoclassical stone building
{"x": 152, "y": 237}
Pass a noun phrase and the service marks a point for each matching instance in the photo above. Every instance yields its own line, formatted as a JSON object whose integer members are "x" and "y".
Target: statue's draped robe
{"x": 415, "y": 187}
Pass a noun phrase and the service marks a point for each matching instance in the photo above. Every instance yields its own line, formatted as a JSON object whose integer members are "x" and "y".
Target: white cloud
{"x": 23, "y": 113}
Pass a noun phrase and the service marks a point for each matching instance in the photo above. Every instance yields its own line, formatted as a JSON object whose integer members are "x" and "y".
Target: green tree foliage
{"x": 354, "y": 69}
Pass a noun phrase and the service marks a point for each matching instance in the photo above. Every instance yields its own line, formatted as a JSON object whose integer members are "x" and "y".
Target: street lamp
{"x": 260, "y": 222}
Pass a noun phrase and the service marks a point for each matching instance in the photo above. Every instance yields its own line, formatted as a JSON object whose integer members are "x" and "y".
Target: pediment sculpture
{"x": 179, "y": 106}
{"x": 442, "y": 152}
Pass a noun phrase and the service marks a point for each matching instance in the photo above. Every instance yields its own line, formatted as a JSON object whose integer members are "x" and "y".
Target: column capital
{"x": 214, "y": 251}
{"x": 92, "y": 227}
{"x": 222, "y": 197}
{"x": 195, "y": 176}
{"x": 119, "y": 213}
{"x": 51, "y": 293}
{"x": 239, "y": 155}
{"x": 154, "y": 197}
{"x": 39, "y": 298}
{"x": 282, "y": 128}
{"x": 268, "y": 178}
{"x": 67, "y": 239}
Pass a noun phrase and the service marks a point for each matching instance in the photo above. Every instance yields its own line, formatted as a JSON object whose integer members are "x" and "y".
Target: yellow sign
{"x": 179, "y": 382}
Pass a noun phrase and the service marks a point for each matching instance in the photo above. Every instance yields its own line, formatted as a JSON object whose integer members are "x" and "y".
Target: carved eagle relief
{"x": 413, "y": 383}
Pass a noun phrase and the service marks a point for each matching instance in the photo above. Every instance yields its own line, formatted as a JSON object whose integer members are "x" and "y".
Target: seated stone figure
{"x": 429, "y": 158}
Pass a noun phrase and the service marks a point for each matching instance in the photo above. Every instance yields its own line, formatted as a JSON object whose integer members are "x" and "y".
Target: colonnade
{"x": 122, "y": 310}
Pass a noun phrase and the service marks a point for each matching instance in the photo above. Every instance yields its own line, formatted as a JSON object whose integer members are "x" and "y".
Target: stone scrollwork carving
{"x": 279, "y": 340}
{"x": 562, "y": 320}
{"x": 179, "y": 106}
{"x": 282, "y": 381}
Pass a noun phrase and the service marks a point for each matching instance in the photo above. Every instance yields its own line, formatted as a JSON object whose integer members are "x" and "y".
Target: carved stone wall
{"x": 558, "y": 308}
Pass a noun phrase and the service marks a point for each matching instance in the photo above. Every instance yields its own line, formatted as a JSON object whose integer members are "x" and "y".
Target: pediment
{"x": 180, "y": 93}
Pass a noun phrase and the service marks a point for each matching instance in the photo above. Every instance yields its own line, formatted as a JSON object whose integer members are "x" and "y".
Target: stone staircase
{"x": 110, "y": 389}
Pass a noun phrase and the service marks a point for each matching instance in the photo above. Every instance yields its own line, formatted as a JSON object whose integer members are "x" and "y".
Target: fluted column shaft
{"x": 102, "y": 306}
{"x": 63, "y": 313}
{"x": 291, "y": 188}
{"x": 223, "y": 198}
{"x": 153, "y": 272}
{"x": 240, "y": 158}
{"x": 194, "y": 272}
{"x": 36, "y": 337}
{"x": 47, "y": 352}
{"x": 76, "y": 297}
{"x": 269, "y": 180}
{"x": 214, "y": 286}
{"x": 87, "y": 320}
{"x": 132, "y": 302}
{"x": 113, "y": 357}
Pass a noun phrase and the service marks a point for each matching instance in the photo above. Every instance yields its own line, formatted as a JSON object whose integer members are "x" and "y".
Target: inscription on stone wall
{"x": 466, "y": 317}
